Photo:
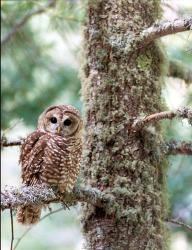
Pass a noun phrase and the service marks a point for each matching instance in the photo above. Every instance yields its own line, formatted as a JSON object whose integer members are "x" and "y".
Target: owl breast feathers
{"x": 51, "y": 155}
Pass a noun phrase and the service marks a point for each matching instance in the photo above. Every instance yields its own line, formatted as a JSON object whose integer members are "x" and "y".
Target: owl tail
{"x": 29, "y": 215}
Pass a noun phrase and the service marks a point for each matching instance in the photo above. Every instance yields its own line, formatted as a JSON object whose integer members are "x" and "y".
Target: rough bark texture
{"x": 117, "y": 87}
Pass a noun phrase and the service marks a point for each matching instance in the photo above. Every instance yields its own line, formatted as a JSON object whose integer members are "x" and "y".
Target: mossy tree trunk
{"x": 121, "y": 83}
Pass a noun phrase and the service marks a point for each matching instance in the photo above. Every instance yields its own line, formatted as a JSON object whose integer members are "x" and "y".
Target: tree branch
{"x": 179, "y": 147}
{"x": 150, "y": 119}
{"x": 22, "y": 22}
{"x": 130, "y": 44}
{"x": 12, "y": 197}
{"x": 180, "y": 223}
{"x": 165, "y": 28}
{"x": 178, "y": 70}
{"x": 5, "y": 143}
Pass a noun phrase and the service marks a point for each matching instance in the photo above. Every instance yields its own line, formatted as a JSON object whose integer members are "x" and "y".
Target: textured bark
{"x": 117, "y": 88}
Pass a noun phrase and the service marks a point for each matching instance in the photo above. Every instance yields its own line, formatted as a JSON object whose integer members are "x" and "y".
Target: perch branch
{"x": 12, "y": 197}
{"x": 180, "y": 223}
{"x": 178, "y": 70}
{"x": 23, "y": 21}
{"x": 182, "y": 147}
{"x": 165, "y": 28}
{"x": 150, "y": 119}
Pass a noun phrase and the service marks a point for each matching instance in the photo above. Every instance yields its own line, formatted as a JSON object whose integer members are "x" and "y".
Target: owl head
{"x": 63, "y": 120}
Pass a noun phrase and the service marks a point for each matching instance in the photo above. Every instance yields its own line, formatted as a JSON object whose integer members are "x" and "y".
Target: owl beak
{"x": 59, "y": 130}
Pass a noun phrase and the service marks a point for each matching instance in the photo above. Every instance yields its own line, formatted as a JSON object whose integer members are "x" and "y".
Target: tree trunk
{"x": 120, "y": 84}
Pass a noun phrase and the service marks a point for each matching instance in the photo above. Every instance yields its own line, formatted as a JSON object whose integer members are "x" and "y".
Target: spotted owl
{"x": 50, "y": 156}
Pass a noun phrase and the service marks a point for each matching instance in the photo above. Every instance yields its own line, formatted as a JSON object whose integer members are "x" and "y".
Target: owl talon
{"x": 64, "y": 205}
{"x": 61, "y": 197}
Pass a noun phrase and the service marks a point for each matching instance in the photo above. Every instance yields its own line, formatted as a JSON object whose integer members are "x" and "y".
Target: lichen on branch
{"x": 12, "y": 197}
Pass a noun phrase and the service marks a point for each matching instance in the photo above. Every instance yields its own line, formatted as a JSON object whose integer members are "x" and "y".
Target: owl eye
{"x": 53, "y": 120}
{"x": 67, "y": 122}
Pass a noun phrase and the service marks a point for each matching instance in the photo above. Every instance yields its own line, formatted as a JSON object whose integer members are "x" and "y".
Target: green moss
{"x": 121, "y": 191}
{"x": 144, "y": 62}
{"x": 116, "y": 89}
{"x": 105, "y": 180}
{"x": 131, "y": 214}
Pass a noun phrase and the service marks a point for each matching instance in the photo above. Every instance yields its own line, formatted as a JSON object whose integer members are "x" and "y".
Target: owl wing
{"x": 31, "y": 158}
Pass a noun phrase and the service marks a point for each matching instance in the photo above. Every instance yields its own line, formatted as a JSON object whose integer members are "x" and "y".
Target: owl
{"x": 51, "y": 155}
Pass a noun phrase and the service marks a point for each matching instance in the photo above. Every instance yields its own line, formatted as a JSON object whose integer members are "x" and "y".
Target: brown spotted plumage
{"x": 51, "y": 155}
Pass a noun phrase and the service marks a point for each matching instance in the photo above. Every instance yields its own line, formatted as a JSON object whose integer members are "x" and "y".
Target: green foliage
{"x": 31, "y": 78}
{"x": 68, "y": 15}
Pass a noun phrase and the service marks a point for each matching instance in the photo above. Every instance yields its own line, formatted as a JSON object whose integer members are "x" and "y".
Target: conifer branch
{"x": 23, "y": 21}
{"x": 150, "y": 119}
{"x": 165, "y": 28}
{"x": 130, "y": 45}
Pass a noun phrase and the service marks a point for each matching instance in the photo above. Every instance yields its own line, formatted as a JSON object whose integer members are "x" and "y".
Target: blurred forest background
{"x": 40, "y": 66}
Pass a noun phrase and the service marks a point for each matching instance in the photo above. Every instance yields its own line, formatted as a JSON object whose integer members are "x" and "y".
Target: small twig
{"x": 182, "y": 147}
{"x": 23, "y": 21}
{"x": 52, "y": 212}
{"x": 178, "y": 70}
{"x": 150, "y": 119}
{"x": 29, "y": 229}
{"x": 180, "y": 223}
{"x": 12, "y": 229}
{"x": 165, "y": 28}
{"x": 22, "y": 236}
